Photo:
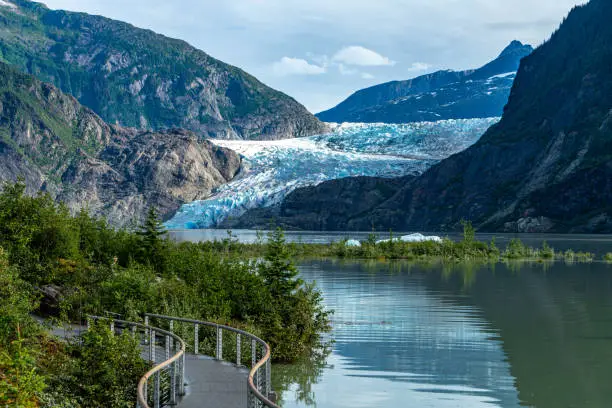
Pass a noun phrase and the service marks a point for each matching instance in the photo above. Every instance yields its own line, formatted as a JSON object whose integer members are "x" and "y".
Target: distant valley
{"x": 545, "y": 167}
{"x": 114, "y": 119}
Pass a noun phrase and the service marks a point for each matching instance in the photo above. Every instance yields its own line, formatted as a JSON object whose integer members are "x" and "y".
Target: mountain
{"x": 545, "y": 167}
{"x": 273, "y": 169}
{"x": 65, "y": 149}
{"x": 479, "y": 93}
{"x": 329, "y": 206}
{"x": 137, "y": 78}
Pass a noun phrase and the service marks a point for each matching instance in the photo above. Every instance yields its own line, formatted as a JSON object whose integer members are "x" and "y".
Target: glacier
{"x": 273, "y": 169}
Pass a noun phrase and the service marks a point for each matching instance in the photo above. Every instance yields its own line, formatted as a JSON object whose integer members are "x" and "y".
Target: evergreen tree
{"x": 279, "y": 272}
{"x": 469, "y": 233}
{"x": 154, "y": 246}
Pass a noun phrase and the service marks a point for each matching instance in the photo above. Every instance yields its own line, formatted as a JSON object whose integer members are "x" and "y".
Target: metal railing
{"x": 165, "y": 382}
{"x": 205, "y": 338}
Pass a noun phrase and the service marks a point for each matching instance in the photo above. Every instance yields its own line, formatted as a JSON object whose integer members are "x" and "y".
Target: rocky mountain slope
{"x": 547, "y": 166}
{"x": 60, "y": 147}
{"x": 336, "y": 205}
{"x": 136, "y": 78}
{"x": 479, "y": 93}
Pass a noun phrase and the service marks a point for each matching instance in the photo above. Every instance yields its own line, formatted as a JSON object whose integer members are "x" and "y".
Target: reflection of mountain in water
{"x": 435, "y": 351}
{"x": 556, "y": 328}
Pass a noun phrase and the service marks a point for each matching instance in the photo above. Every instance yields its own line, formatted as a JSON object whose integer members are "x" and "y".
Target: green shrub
{"x": 106, "y": 368}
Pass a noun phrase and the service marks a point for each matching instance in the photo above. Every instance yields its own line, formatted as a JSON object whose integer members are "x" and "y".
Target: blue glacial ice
{"x": 273, "y": 169}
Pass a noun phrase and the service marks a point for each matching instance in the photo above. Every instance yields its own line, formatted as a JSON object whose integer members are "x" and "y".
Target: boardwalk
{"x": 208, "y": 382}
{"x": 214, "y": 384}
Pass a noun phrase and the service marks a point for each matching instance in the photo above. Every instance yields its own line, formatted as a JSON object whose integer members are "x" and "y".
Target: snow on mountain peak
{"x": 504, "y": 75}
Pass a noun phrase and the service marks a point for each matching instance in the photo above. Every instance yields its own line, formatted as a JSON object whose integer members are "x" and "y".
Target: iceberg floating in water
{"x": 413, "y": 238}
{"x": 273, "y": 169}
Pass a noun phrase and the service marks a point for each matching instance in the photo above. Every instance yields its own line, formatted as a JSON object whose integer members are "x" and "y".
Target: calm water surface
{"x": 527, "y": 335}
{"x": 408, "y": 336}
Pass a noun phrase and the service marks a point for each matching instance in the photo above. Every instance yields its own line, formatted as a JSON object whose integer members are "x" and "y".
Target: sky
{"x": 321, "y": 51}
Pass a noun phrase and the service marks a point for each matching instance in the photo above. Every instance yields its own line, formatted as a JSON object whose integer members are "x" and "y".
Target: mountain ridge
{"x": 447, "y": 94}
{"x": 545, "y": 167}
{"x": 137, "y": 78}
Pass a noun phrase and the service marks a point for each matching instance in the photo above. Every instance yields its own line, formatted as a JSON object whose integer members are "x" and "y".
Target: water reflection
{"x": 297, "y": 380}
{"x": 556, "y": 327}
{"x": 460, "y": 336}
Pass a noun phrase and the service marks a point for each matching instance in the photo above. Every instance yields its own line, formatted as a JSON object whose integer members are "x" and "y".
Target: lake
{"x": 503, "y": 336}
{"x": 520, "y": 335}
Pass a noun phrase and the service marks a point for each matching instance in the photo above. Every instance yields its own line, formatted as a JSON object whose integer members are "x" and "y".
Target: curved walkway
{"x": 213, "y": 384}
{"x": 208, "y": 382}
{"x": 191, "y": 380}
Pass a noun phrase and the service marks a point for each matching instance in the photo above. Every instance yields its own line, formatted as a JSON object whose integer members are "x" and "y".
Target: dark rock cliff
{"x": 336, "y": 205}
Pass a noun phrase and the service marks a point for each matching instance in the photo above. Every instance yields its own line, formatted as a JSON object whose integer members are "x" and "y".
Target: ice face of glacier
{"x": 273, "y": 169}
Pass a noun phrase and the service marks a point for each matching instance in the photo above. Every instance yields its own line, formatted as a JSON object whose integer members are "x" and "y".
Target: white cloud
{"x": 419, "y": 66}
{"x": 361, "y": 56}
{"x": 252, "y": 34}
{"x": 366, "y": 75}
{"x": 296, "y": 66}
{"x": 344, "y": 70}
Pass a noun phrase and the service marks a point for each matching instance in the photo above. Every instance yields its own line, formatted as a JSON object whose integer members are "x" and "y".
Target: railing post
{"x": 112, "y": 327}
{"x": 146, "y": 323}
{"x": 171, "y": 326}
{"x": 256, "y": 374}
{"x": 238, "y": 349}
{"x": 268, "y": 377}
{"x": 183, "y": 374}
{"x": 196, "y": 339}
{"x": 219, "y": 343}
{"x": 173, "y": 376}
{"x": 167, "y": 348}
{"x": 134, "y": 328}
{"x": 156, "y": 386}
{"x": 253, "y": 353}
{"x": 152, "y": 346}
{"x": 259, "y": 383}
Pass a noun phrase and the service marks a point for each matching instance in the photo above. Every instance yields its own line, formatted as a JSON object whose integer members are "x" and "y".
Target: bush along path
{"x": 72, "y": 266}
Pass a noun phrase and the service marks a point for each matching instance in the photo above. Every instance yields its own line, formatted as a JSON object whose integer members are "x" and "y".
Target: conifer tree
{"x": 154, "y": 245}
{"x": 279, "y": 272}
